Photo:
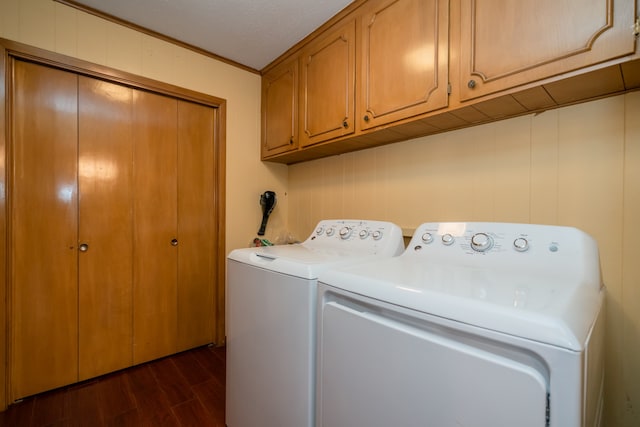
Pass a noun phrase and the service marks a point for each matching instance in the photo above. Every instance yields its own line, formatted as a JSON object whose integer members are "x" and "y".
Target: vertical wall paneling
{"x": 630, "y": 295}
{"x": 574, "y": 166}
{"x": 511, "y": 147}
{"x": 3, "y": 234}
{"x": 66, "y": 35}
{"x": 544, "y": 168}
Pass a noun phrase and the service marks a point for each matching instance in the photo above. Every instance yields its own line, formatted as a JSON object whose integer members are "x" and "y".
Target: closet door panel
{"x": 105, "y": 226}
{"x": 44, "y": 316}
{"x": 155, "y": 225}
{"x": 196, "y": 231}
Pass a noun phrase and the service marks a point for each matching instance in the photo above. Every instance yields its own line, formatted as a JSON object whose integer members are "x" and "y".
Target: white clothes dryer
{"x": 271, "y": 319}
{"x": 475, "y": 324}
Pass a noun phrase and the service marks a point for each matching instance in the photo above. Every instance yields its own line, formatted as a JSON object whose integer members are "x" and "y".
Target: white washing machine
{"x": 271, "y": 294}
{"x": 475, "y": 324}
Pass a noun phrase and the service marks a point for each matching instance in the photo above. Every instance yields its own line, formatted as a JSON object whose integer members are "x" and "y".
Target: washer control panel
{"x": 357, "y": 235}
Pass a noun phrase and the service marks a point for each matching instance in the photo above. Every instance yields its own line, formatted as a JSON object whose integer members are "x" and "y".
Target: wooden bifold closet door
{"x": 44, "y": 227}
{"x": 112, "y": 227}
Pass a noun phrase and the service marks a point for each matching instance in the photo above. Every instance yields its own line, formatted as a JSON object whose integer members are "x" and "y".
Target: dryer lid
{"x": 536, "y": 307}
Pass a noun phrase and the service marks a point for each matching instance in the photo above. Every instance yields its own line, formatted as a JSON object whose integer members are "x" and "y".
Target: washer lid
{"x": 538, "y": 307}
{"x": 298, "y": 260}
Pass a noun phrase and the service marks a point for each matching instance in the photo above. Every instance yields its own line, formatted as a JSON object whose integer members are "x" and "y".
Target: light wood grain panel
{"x": 362, "y": 198}
{"x": 92, "y": 46}
{"x": 280, "y": 109}
{"x": 544, "y": 168}
{"x": 403, "y": 67}
{"x": 590, "y": 197}
{"x": 328, "y": 195}
{"x": 155, "y": 226}
{"x": 66, "y": 30}
{"x": 196, "y": 225}
{"x": 512, "y": 169}
{"x": 476, "y": 165}
{"x": 9, "y": 25}
{"x": 560, "y": 36}
{"x": 630, "y": 264}
{"x": 35, "y": 23}
{"x": 4, "y": 246}
{"x": 328, "y": 86}
{"x": 407, "y": 160}
{"x": 105, "y": 165}
{"x": 126, "y": 51}
{"x": 44, "y": 224}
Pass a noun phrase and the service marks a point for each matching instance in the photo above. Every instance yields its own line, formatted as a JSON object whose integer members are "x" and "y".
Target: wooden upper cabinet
{"x": 280, "y": 109}
{"x": 403, "y": 60}
{"x": 328, "y": 86}
{"x": 505, "y": 44}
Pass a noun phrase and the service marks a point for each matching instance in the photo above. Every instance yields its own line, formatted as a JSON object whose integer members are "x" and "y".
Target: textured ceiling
{"x": 250, "y": 32}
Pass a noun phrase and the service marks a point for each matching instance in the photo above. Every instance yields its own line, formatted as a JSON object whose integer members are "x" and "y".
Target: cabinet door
{"x": 155, "y": 224}
{"x": 404, "y": 60}
{"x": 328, "y": 87}
{"x": 105, "y": 227}
{"x": 280, "y": 109}
{"x": 196, "y": 225}
{"x": 505, "y": 44}
{"x": 44, "y": 226}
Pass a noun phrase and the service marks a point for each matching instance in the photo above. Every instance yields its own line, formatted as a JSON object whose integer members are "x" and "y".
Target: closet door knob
{"x": 174, "y": 242}
{"x": 83, "y": 247}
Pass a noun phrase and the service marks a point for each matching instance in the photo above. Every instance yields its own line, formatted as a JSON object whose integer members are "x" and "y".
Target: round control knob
{"x": 447, "y": 239}
{"x": 319, "y": 230}
{"x": 345, "y": 232}
{"x": 363, "y": 234}
{"x": 427, "y": 237}
{"x": 521, "y": 244}
{"x": 377, "y": 235}
{"x": 330, "y": 231}
{"x": 481, "y": 242}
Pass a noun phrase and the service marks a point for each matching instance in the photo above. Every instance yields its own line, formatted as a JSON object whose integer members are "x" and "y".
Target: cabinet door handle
{"x": 83, "y": 247}
{"x": 291, "y": 141}
{"x": 345, "y": 124}
{"x": 366, "y": 118}
{"x": 471, "y": 84}
{"x": 174, "y": 242}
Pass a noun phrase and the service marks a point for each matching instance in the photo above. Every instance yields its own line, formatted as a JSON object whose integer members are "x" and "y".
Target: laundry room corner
{"x": 577, "y": 166}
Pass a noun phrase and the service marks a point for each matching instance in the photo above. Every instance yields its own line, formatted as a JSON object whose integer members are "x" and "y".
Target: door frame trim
{"x": 10, "y": 50}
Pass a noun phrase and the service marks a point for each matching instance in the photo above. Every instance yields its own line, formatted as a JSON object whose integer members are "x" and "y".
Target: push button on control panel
{"x": 520, "y": 244}
{"x": 448, "y": 239}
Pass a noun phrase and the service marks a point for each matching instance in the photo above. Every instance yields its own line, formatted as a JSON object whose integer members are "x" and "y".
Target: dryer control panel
{"x": 505, "y": 245}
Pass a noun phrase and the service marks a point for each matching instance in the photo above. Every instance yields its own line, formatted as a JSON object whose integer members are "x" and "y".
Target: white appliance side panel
{"x": 375, "y": 371}
{"x": 270, "y": 335}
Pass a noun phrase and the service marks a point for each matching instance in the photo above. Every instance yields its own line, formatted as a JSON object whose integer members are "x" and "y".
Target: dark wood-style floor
{"x": 183, "y": 390}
